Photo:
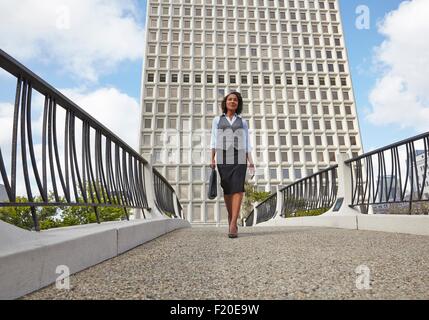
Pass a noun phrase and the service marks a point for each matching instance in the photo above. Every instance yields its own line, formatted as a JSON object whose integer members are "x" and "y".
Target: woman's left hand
{"x": 252, "y": 169}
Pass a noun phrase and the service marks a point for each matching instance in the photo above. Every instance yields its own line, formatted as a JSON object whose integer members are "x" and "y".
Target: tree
{"x": 84, "y": 215}
{"x": 21, "y": 216}
{"x": 54, "y": 216}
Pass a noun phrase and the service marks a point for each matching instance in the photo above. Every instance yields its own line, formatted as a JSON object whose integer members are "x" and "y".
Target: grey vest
{"x": 230, "y": 137}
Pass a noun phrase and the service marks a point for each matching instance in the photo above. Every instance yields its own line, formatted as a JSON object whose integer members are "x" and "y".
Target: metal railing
{"x": 164, "y": 194}
{"x": 396, "y": 174}
{"x": 267, "y": 209}
{"x": 180, "y": 209}
{"x": 318, "y": 191}
{"x": 315, "y": 192}
{"x": 93, "y": 167}
{"x": 393, "y": 179}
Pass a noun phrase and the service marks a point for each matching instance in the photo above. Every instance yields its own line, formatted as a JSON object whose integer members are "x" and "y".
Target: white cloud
{"x": 84, "y": 37}
{"x": 117, "y": 111}
{"x": 6, "y": 123}
{"x": 401, "y": 96}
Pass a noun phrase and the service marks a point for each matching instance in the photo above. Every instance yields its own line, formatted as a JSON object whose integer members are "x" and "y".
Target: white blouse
{"x": 245, "y": 126}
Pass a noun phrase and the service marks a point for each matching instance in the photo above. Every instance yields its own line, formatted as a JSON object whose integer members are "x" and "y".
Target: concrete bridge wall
{"x": 418, "y": 225}
{"x": 29, "y": 260}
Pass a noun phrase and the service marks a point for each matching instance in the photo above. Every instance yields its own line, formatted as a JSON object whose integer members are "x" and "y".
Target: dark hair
{"x": 240, "y": 102}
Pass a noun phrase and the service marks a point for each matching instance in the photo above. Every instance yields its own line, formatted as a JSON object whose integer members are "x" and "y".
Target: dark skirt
{"x": 232, "y": 176}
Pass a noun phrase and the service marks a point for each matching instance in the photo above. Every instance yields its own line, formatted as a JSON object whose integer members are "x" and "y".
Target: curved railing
{"x": 164, "y": 194}
{"x": 318, "y": 191}
{"x": 93, "y": 167}
{"x": 315, "y": 192}
{"x": 267, "y": 209}
{"x": 393, "y": 178}
{"x": 180, "y": 209}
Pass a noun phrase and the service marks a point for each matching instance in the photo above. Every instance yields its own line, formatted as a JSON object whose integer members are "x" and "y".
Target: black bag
{"x": 212, "y": 193}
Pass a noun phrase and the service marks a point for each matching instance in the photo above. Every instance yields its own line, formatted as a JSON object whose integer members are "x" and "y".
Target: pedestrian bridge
{"x": 353, "y": 250}
{"x": 262, "y": 263}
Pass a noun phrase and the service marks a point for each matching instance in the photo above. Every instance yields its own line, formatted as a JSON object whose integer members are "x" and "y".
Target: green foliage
{"x": 56, "y": 217}
{"x": 305, "y": 213}
{"x": 18, "y": 216}
{"x": 84, "y": 215}
{"x": 309, "y": 213}
{"x": 292, "y": 206}
{"x": 252, "y": 196}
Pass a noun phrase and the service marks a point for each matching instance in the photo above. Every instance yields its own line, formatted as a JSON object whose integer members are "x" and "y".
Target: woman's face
{"x": 232, "y": 103}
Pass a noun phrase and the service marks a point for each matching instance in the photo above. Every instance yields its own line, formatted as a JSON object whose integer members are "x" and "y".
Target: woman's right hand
{"x": 213, "y": 164}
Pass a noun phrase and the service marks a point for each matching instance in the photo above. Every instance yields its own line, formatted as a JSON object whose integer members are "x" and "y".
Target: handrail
{"x": 267, "y": 209}
{"x": 374, "y": 183}
{"x": 164, "y": 194}
{"x": 100, "y": 170}
{"x": 15, "y": 68}
{"x": 318, "y": 191}
{"x": 390, "y": 146}
{"x": 310, "y": 177}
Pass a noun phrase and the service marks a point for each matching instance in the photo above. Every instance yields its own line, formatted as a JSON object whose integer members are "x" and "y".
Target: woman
{"x": 231, "y": 149}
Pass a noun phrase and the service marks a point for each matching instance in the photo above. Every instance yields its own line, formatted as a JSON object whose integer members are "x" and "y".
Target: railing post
{"x": 344, "y": 192}
{"x": 176, "y": 208}
{"x": 255, "y": 215}
{"x": 279, "y": 206}
{"x": 150, "y": 188}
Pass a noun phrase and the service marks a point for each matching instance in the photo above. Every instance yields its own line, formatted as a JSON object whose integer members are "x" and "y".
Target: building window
{"x": 285, "y": 173}
{"x": 273, "y": 174}
{"x": 296, "y": 157}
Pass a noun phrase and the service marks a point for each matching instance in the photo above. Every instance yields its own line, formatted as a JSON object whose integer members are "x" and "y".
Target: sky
{"x": 92, "y": 50}
{"x": 387, "y": 67}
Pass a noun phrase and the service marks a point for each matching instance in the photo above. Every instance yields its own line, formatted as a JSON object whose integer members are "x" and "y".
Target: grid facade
{"x": 287, "y": 59}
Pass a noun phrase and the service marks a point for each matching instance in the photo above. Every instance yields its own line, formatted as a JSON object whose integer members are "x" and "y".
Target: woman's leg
{"x": 236, "y": 205}
{"x": 228, "y": 204}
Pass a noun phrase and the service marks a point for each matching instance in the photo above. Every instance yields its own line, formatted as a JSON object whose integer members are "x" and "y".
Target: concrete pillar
{"x": 279, "y": 206}
{"x": 255, "y": 215}
{"x": 176, "y": 207}
{"x": 150, "y": 189}
{"x": 344, "y": 193}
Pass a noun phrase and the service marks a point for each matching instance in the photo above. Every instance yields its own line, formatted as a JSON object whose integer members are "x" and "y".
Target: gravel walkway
{"x": 262, "y": 263}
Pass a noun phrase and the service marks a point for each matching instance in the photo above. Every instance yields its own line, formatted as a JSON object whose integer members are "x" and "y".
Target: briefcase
{"x": 212, "y": 193}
